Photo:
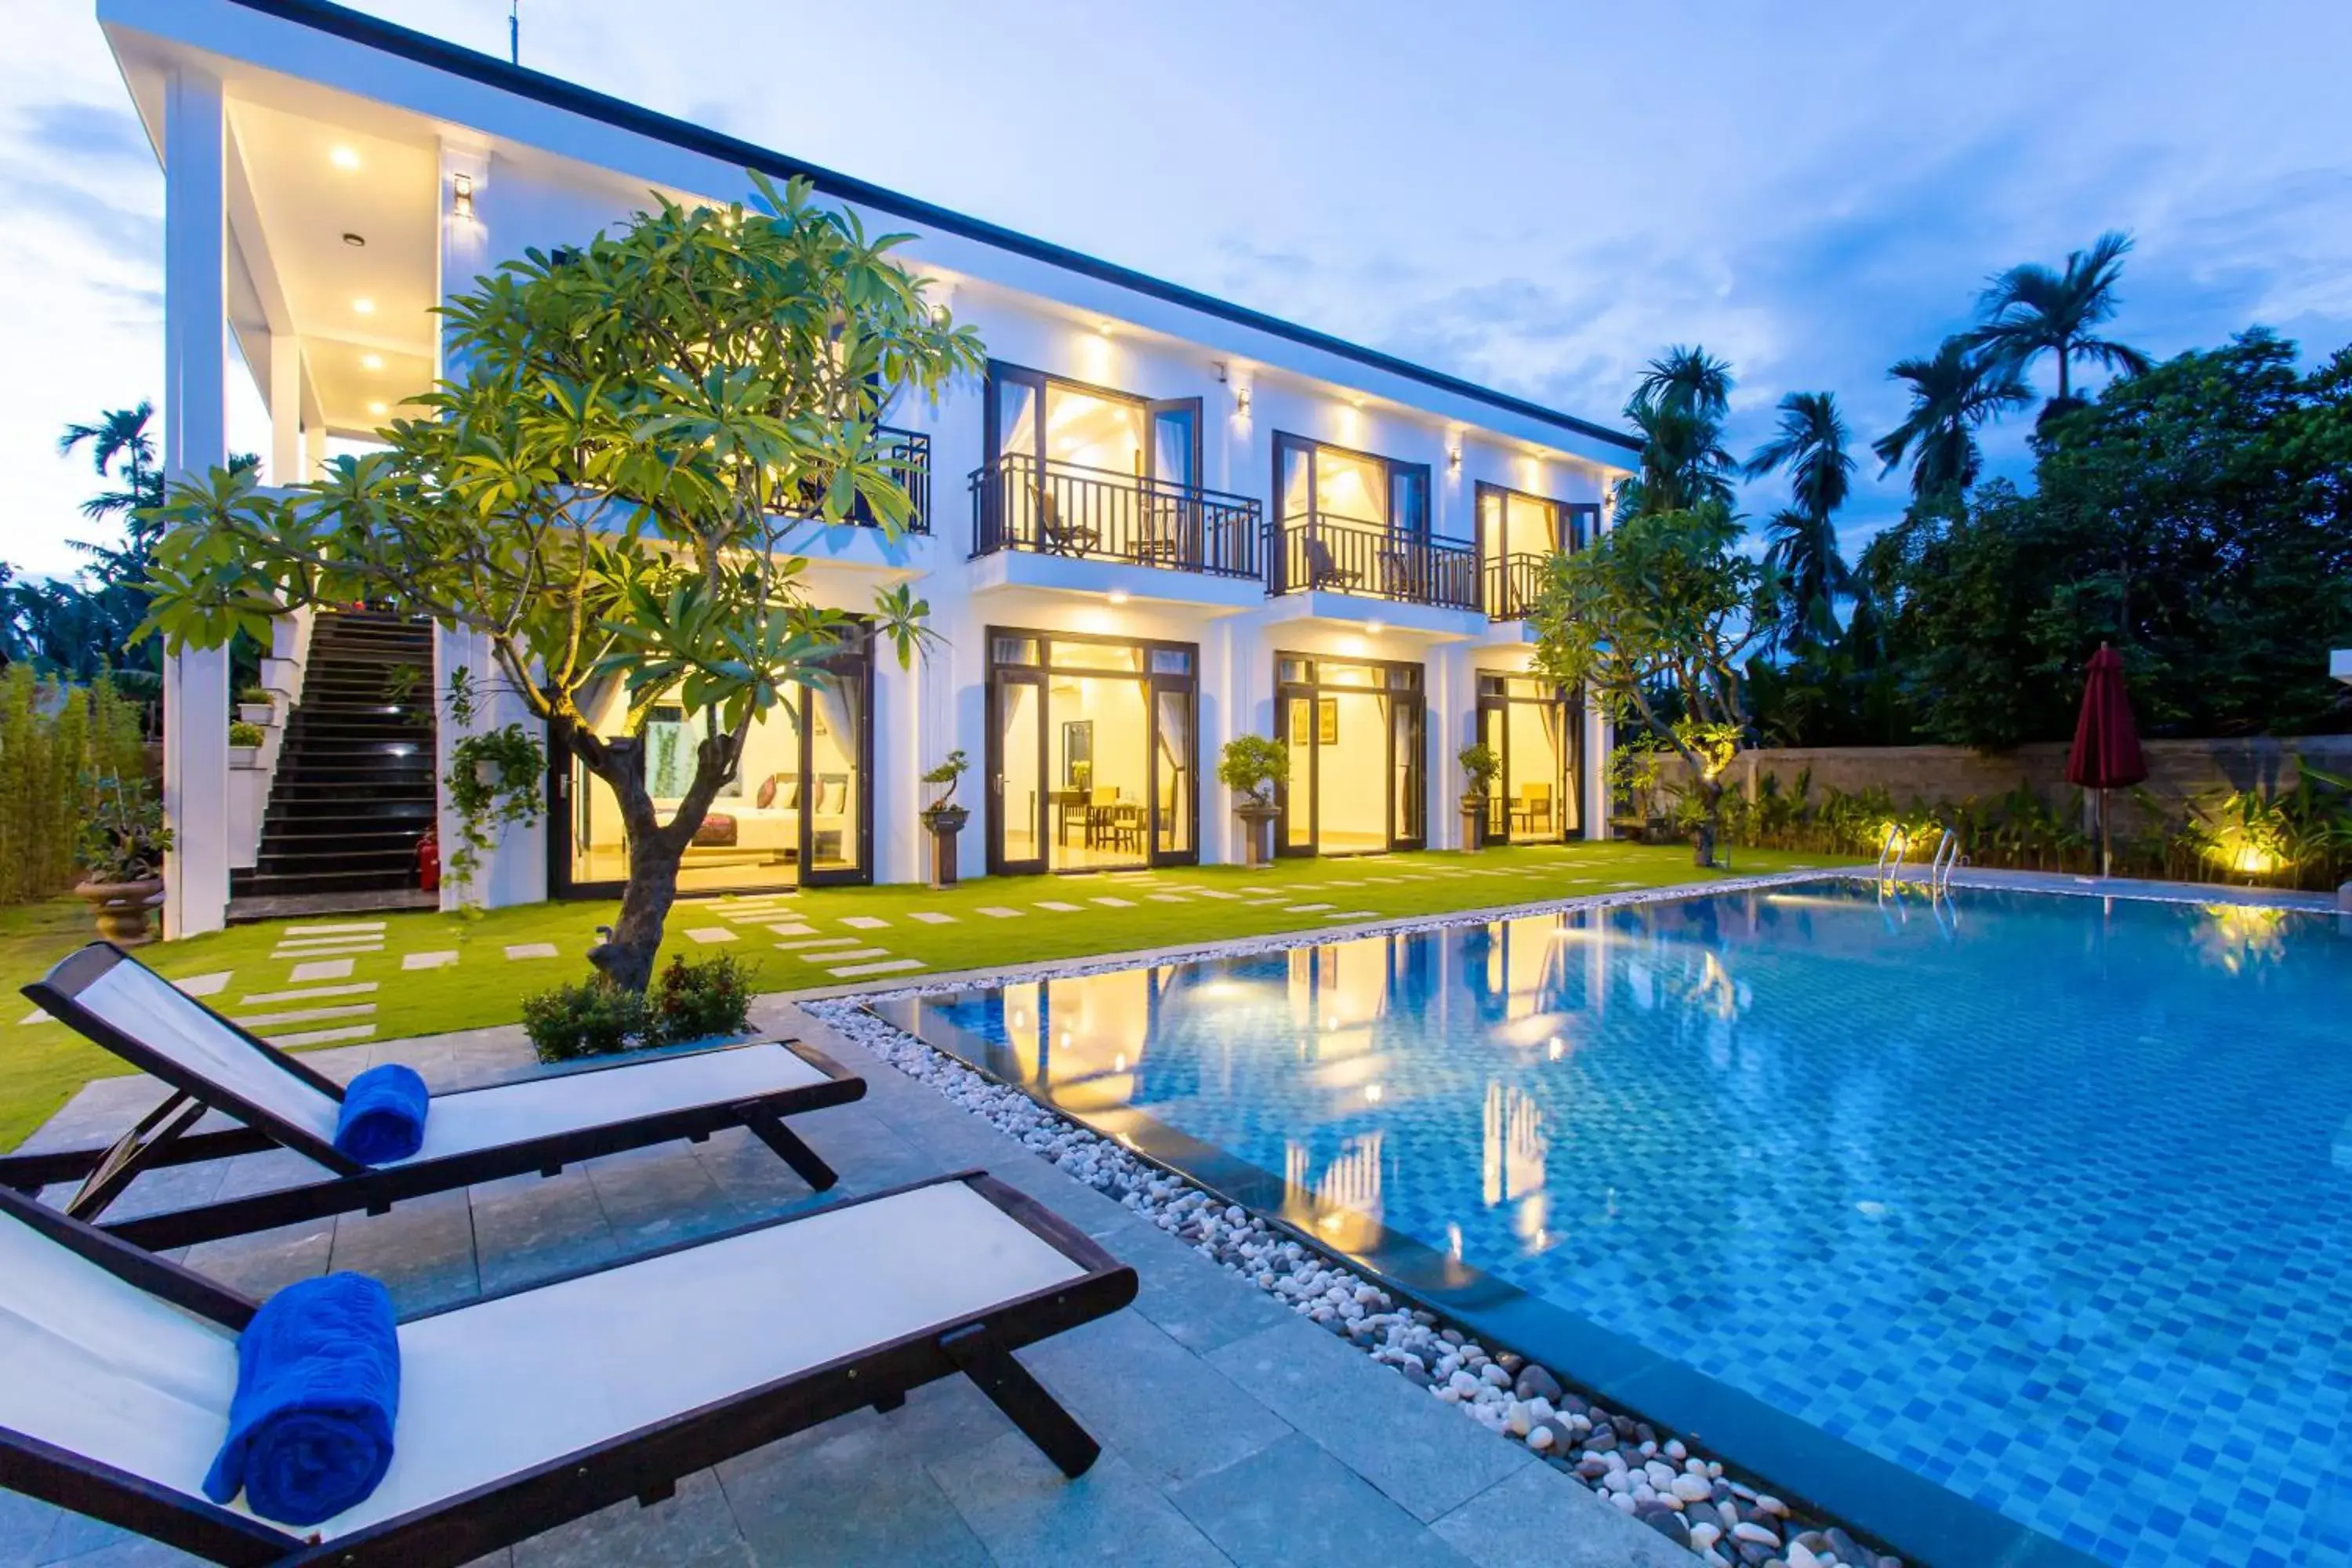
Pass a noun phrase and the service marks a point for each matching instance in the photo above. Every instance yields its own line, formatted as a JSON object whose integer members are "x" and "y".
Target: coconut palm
{"x": 1801, "y": 552}
{"x": 1811, "y": 445}
{"x": 119, "y": 436}
{"x": 2031, "y": 310}
{"x": 1687, "y": 381}
{"x": 1951, "y": 395}
{"x": 1684, "y": 463}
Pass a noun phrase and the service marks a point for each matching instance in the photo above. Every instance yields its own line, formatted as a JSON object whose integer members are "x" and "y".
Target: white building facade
{"x": 1158, "y": 521}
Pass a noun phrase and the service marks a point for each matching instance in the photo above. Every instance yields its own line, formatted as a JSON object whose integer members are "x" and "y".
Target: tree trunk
{"x": 656, "y": 848}
{"x": 627, "y": 958}
{"x": 1703, "y": 836}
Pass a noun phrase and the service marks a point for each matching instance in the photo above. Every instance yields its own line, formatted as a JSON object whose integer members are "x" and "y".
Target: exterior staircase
{"x": 354, "y": 788}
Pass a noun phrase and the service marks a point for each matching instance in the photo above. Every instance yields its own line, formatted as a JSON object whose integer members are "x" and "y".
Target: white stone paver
{"x": 863, "y": 923}
{"x": 794, "y": 927}
{"x": 309, "y": 993}
{"x": 304, "y": 1015}
{"x": 1110, "y": 903}
{"x": 323, "y": 1036}
{"x": 1354, "y": 915}
{"x": 1215, "y": 893}
{"x": 1261, "y": 891}
{"x": 1307, "y": 909}
{"x": 204, "y": 984}
{"x": 932, "y": 917}
{"x": 344, "y": 930}
{"x": 709, "y": 934}
{"x": 1060, "y": 908}
{"x": 1168, "y": 899}
{"x": 321, "y": 969}
{"x": 34, "y": 1016}
{"x": 441, "y": 960}
{"x": 530, "y": 950}
{"x": 326, "y": 948}
{"x": 999, "y": 912}
{"x": 818, "y": 942}
{"x": 891, "y": 967}
{"x": 837, "y": 955}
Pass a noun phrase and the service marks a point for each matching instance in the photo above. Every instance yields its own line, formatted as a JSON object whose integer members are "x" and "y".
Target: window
{"x": 1057, "y": 422}
{"x": 1312, "y": 478}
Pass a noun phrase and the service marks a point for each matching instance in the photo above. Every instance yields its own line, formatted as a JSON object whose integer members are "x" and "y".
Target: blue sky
{"x": 1539, "y": 196}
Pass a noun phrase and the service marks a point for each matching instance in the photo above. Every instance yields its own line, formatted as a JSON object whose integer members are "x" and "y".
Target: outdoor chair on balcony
{"x": 524, "y": 1409}
{"x": 1058, "y": 537}
{"x": 1396, "y": 574}
{"x": 277, "y": 1102}
{"x": 1321, "y": 571}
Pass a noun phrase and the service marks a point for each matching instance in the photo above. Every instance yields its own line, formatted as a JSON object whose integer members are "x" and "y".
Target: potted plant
{"x": 1250, "y": 766}
{"x": 493, "y": 781}
{"x": 245, "y": 740}
{"x": 122, "y": 847}
{"x": 254, "y": 707}
{"x": 945, "y": 819}
{"x": 1480, "y": 766}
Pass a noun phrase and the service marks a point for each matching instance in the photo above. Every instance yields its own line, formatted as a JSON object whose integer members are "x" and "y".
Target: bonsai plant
{"x": 253, "y": 705}
{"x": 1250, "y": 766}
{"x": 122, "y": 848}
{"x": 945, "y": 819}
{"x": 1479, "y": 767}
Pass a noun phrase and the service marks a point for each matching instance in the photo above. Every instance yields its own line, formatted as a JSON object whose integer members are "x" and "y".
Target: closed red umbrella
{"x": 2106, "y": 752}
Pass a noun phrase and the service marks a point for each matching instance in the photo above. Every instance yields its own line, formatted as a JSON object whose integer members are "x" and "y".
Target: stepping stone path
{"x": 863, "y": 923}
{"x": 309, "y": 993}
{"x": 817, "y": 941}
{"x": 442, "y": 960}
{"x": 932, "y": 917}
{"x": 709, "y": 934}
{"x": 1060, "y": 908}
{"x": 322, "y": 969}
{"x": 530, "y": 950}
{"x": 204, "y": 984}
{"x": 889, "y": 967}
{"x": 999, "y": 912}
{"x": 793, "y": 928}
{"x": 831, "y": 957}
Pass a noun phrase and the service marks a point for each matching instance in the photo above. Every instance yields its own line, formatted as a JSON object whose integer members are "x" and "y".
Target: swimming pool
{"x": 2042, "y": 1198}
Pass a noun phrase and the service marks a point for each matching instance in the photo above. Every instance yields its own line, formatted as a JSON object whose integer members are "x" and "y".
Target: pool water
{"x": 2044, "y": 1198}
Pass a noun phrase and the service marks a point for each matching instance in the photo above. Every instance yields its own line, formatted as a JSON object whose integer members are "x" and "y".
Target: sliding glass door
{"x": 1092, "y": 760}
{"x": 1537, "y": 732}
{"x": 1356, "y": 734}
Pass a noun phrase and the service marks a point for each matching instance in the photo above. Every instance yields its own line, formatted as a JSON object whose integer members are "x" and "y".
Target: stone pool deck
{"x": 1233, "y": 1431}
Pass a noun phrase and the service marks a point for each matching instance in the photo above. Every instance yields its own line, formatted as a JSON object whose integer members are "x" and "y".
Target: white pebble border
{"x": 1681, "y": 1494}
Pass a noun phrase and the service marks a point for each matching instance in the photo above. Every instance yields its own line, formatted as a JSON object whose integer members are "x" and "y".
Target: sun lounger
{"x": 524, "y": 1409}
{"x": 476, "y": 1135}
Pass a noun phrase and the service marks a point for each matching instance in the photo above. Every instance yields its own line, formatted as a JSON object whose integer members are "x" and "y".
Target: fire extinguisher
{"x": 428, "y": 859}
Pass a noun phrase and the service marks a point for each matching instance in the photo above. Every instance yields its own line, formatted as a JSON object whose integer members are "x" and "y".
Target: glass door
{"x": 1536, "y": 731}
{"x": 1016, "y": 773}
{"x": 1355, "y": 732}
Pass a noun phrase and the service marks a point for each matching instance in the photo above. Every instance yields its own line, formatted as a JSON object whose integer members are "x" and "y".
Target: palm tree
{"x": 2031, "y": 310}
{"x": 1809, "y": 576}
{"x": 1684, "y": 463}
{"x": 119, "y": 435}
{"x": 1951, "y": 395}
{"x": 1802, "y": 552}
{"x": 1687, "y": 381}
{"x": 1812, "y": 446}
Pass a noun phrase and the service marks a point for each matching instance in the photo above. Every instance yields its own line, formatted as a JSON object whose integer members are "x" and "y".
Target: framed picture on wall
{"x": 1077, "y": 752}
{"x": 1326, "y": 722}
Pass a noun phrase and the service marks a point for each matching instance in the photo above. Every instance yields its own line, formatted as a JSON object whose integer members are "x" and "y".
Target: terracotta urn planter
{"x": 1473, "y": 824}
{"x": 120, "y": 908}
{"x": 1255, "y": 815}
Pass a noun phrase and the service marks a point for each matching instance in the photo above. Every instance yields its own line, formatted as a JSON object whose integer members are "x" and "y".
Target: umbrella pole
{"x": 2106, "y": 845}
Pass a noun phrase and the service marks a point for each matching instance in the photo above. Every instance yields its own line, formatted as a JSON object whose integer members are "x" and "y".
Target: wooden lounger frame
{"x": 166, "y": 1136}
{"x": 646, "y": 1464}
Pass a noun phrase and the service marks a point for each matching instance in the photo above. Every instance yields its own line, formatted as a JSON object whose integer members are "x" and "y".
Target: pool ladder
{"x": 1941, "y": 865}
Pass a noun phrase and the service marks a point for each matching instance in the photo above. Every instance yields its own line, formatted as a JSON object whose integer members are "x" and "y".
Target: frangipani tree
{"x": 608, "y": 490}
{"x": 1664, "y": 603}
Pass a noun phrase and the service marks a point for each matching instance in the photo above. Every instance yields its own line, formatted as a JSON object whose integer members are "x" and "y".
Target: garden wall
{"x": 2178, "y": 770}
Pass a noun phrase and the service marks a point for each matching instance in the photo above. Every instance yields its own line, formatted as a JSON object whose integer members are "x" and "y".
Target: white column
{"x": 195, "y": 327}
{"x": 288, "y": 465}
{"x": 1600, "y": 737}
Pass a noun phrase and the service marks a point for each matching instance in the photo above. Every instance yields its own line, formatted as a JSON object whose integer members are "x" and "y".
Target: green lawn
{"x": 41, "y": 1064}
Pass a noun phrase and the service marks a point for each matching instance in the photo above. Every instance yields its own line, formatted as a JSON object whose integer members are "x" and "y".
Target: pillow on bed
{"x": 833, "y": 793}
{"x": 790, "y": 785}
{"x": 718, "y": 830}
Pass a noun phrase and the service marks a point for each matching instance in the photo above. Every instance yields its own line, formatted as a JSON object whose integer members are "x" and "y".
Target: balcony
{"x": 1319, "y": 550}
{"x": 1098, "y": 514}
{"x": 1514, "y": 583}
{"x": 907, "y": 453}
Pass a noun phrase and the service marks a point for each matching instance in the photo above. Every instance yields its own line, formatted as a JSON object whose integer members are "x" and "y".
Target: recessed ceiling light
{"x": 378, "y": 409}
{"x": 364, "y": 305}
{"x": 1119, "y": 595}
{"x": 354, "y": 240}
{"x": 1103, "y": 327}
{"x": 1373, "y": 628}
{"x": 371, "y": 362}
{"x": 344, "y": 158}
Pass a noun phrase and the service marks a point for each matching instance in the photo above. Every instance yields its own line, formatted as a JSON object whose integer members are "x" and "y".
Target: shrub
{"x": 1251, "y": 765}
{"x": 244, "y": 734}
{"x": 592, "y": 1017}
{"x": 695, "y": 999}
{"x": 56, "y": 741}
{"x": 253, "y": 694}
{"x": 691, "y": 1000}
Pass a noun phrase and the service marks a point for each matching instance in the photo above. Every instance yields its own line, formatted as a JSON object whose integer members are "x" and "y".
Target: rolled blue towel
{"x": 383, "y": 1115}
{"x": 318, "y": 1390}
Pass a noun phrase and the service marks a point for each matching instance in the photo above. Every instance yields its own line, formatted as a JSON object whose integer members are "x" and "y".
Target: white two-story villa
{"x": 1158, "y": 521}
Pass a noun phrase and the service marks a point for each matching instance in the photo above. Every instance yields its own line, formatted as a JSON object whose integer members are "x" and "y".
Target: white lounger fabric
{"x": 567, "y": 1102}
{"x": 100, "y": 1367}
{"x": 151, "y": 1010}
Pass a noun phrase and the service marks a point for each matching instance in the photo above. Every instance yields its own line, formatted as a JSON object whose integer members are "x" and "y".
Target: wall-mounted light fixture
{"x": 1103, "y": 327}
{"x": 378, "y": 410}
{"x": 356, "y": 241}
{"x": 1454, "y": 458}
{"x": 461, "y": 188}
{"x": 371, "y": 362}
{"x": 344, "y": 158}
{"x": 1241, "y": 401}
{"x": 363, "y": 306}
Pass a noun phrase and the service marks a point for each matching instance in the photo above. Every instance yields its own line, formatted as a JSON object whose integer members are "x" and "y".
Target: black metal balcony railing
{"x": 1347, "y": 555}
{"x": 1514, "y": 583}
{"x": 908, "y": 454}
{"x": 1100, "y": 514}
